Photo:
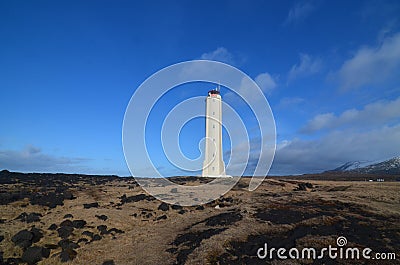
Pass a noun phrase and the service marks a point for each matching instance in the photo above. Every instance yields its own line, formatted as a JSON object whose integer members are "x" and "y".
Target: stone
{"x": 66, "y": 223}
{"x": 102, "y": 229}
{"x": 52, "y": 227}
{"x": 65, "y": 231}
{"x": 67, "y": 255}
{"x": 88, "y": 233}
{"x": 162, "y": 217}
{"x": 163, "y": 207}
{"x": 37, "y": 234}
{"x": 68, "y": 215}
{"x": 90, "y": 205}
{"x": 102, "y": 217}
{"x": 96, "y": 237}
{"x": 116, "y": 230}
{"x": 176, "y": 207}
{"x": 108, "y": 262}
{"x": 23, "y": 238}
{"x": 78, "y": 223}
{"x": 67, "y": 244}
{"x": 32, "y": 255}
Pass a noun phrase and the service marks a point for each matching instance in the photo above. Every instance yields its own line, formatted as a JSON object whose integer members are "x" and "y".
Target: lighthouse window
{"x": 213, "y": 112}
{"x": 213, "y": 168}
{"x": 213, "y": 126}
{"x": 213, "y": 154}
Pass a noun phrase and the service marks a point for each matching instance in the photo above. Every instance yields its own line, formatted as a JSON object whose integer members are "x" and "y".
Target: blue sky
{"x": 329, "y": 69}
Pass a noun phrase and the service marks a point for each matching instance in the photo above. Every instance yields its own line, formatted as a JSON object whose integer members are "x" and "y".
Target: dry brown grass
{"x": 146, "y": 240}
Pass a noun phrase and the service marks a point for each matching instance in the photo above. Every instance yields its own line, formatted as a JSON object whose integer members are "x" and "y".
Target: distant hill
{"x": 388, "y": 167}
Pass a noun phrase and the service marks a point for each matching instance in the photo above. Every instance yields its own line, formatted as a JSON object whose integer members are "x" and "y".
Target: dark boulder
{"x": 67, "y": 255}
{"x": 65, "y": 231}
{"x": 108, "y": 262}
{"x": 176, "y": 207}
{"x": 66, "y": 223}
{"x": 102, "y": 229}
{"x": 67, "y": 244}
{"x": 78, "y": 223}
{"x": 163, "y": 207}
{"x": 96, "y": 237}
{"x": 68, "y": 215}
{"x": 116, "y": 230}
{"x": 32, "y": 255}
{"x": 37, "y": 234}
{"x": 102, "y": 217}
{"x": 29, "y": 218}
{"x": 23, "y": 238}
{"x": 90, "y": 205}
{"x": 162, "y": 217}
{"x": 88, "y": 233}
{"x": 52, "y": 227}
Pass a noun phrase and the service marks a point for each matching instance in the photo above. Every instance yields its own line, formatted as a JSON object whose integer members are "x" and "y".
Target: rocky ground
{"x": 78, "y": 219}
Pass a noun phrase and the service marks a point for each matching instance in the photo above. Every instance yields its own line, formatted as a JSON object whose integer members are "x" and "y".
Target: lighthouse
{"x": 213, "y": 165}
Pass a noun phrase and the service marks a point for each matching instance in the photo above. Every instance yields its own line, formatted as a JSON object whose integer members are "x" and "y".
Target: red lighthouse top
{"x": 213, "y": 92}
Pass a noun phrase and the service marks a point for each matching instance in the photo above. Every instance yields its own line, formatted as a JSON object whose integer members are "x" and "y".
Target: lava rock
{"x": 29, "y": 218}
{"x": 200, "y": 207}
{"x": 67, "y": 255}
{"x": 174, "y": 190}
{"x": 182, "y": 211}
{"x": 163, "y": 207}
{"x": 32, "y": 255}
{"x": 23, "y": 238}
{"x": 82, "y": 240}
{"x": 66, "y": 223}
{"x": 96, "y": 237}
{"x": 162, "y": 217}
{"x": 90, "y": 205}
{"x": 102, "y": 217}
{"x": 102, "y": 229}
{"x": 37, "y": 234}
{"x": 65, "y": 231}
{"x": 1, "y": 238}
{"x": 88, "y": 233}
{"x": 78, "y": 223}
{"x": 67, "y": 244}
{"x": 52, "y": 227}
{"x": 108, "y": 262}
{"x": 176, "y": 207}
{"x": 116, "y": 230}
{"x": 68, "y": 215}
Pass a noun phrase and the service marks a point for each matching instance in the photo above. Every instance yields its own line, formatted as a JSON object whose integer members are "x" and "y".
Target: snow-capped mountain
{"x": 391, "y": 166}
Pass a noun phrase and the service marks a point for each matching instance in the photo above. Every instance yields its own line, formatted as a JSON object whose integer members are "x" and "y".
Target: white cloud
{"x": 371, "y": 65}
{"x": 307, "y": 66}
{"x": 220, "y": 54}
{"x": 32, "y": 159}
{"x": 290, "y": 101}
{"x": 301, "y": 156}
{"x": 246, "y": 88}
{"x": 265, "y": 82}
{"x": 299, "y": 12}
{"x": 377, "y": 113}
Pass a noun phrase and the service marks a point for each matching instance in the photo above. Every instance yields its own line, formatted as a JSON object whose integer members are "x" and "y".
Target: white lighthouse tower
{"x": 213, "y": 165}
